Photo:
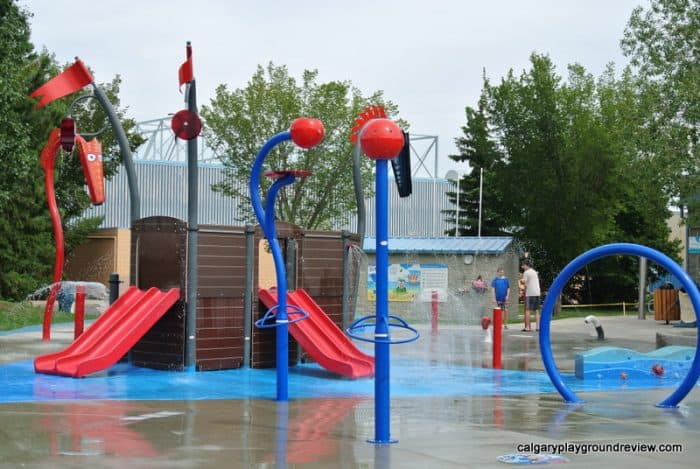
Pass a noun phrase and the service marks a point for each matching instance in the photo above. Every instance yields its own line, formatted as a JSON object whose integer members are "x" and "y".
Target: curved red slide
{"x": 322, "y": 338}
{"x": 111, "y": 335}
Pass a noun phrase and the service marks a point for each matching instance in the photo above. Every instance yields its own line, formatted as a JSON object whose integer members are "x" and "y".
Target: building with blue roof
{"x": 442, "y": 268}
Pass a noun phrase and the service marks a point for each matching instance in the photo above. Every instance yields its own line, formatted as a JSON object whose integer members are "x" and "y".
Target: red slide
{"x": 111, "y": 335}
{"x": 322, "y": 338}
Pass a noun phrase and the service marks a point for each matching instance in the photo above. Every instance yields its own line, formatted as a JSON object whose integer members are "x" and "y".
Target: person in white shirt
{"x": 532, "y": 294}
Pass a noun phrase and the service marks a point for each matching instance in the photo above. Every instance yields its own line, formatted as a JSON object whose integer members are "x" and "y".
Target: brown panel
{"x": 220, "y": 292}
{"x": 220, "y": 249}
{"x": 321, "y": 273}
{"x": 219, "y": 332}
{"x": 163, "y": 346}
{"x": 218, "y": 364}
{"x": 207, "y": 320}
{"x": 159, "y": 245}
{"x": 221, "y": 264}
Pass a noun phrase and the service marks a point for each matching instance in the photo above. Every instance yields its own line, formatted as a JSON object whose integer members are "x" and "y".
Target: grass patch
{"x": 18, "y": 315}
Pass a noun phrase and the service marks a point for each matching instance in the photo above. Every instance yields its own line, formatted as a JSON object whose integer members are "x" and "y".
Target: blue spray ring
{"x": 577, "y": 264}
{"x": 364, "y": 322}
{"x": 271, "y": 313}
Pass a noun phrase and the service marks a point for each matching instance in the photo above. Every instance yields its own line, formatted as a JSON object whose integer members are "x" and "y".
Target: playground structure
{"x": 227, "y": 301}
{"x": 209, "y": 326}
{"x": 173, "y": 335}
{"x": 90, "y": 154}
{"x": 73, "y": 79}
{"x": 158, "y": 332}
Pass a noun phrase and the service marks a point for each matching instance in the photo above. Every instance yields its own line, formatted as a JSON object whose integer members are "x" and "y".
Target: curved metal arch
{"x": 570, "y": 270}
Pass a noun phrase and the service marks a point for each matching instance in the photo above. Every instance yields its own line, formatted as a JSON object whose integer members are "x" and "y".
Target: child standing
{"x": 501, "y": 292}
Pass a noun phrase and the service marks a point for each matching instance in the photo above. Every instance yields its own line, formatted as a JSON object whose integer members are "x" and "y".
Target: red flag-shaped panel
{"x": 71, "y": 80}
{"x": 185, "y": 73}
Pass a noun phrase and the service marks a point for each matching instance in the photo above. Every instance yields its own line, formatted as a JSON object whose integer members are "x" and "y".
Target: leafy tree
{"x": 556, "y": 176}
{"x": 25, "y": 230}
{"x": 662, "y": 44}
{"x": 240, "y": 121}
{"x": 566, "y": 172}
{"x": 26, "y": 238}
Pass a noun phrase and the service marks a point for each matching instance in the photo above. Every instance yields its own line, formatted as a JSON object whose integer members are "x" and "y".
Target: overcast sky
{"x": 427, "y": 56}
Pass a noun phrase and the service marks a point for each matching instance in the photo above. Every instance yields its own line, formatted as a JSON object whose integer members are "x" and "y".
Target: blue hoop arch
{"x": 577, "y": 264}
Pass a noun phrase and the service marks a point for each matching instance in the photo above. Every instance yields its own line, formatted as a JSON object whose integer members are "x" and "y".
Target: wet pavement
{"x": 448, "y": 409}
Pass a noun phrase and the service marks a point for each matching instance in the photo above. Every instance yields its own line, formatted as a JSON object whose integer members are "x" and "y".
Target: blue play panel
{"x": 409, "y": 378}
{"x": 671, "y": 362}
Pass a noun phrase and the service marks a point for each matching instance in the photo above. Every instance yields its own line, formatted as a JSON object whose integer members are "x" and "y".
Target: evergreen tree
{"x": 474, "y": 195}
{"x": 26, "y": 237}
{"x": 566, "y": 170}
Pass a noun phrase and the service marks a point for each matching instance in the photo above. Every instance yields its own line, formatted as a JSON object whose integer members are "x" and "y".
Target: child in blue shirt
{"x": 501, "y": 291}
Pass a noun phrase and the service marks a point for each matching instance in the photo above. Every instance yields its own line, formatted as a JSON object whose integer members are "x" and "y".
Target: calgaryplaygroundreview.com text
{"x": 590, "y": 448}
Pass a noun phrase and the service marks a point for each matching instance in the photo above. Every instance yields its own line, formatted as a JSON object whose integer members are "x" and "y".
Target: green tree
{"x": 569, "y": 172}
{"x": 663, "y": 46}
{"x": 555, "y": 178}
{"x": 240, "y": 121}
{"x": 26, "y": 239}
{"x": 25, "y": 230}
{"x": 479, "y": 150}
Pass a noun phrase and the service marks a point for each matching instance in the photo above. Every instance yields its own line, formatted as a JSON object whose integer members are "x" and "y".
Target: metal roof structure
{"x": 445, "y": 245}
{"x": 163, "y": 188}
{"x": 161, "y": 172}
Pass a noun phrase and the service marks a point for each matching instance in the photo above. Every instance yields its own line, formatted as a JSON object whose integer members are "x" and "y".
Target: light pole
{"x": 481, "y": 190}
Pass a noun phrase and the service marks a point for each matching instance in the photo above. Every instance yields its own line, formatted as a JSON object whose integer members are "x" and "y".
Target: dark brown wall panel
{"x": 163, "y": 346}
{"x": 159, "y": 247}
{"x": 158, "y": 250}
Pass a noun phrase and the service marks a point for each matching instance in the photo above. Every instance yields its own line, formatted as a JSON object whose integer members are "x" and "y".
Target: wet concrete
{"x": 462, "y": 431}
{"x": 431, "y": 432}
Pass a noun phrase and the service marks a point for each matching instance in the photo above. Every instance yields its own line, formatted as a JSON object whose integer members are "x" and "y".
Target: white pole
{"x": 457, "y": 223}
{"x": 481, "y": 187}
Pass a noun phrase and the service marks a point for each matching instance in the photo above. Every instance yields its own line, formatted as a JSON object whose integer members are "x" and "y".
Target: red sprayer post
{"x": 434, "y": 311}
{"x": 497, "y": 328}
{"x": 79, "y": 318}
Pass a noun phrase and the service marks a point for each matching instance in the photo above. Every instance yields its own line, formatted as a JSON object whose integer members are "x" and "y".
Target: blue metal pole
{"x": 267, "y": 221}
{"x": 254, "y": 185}
{"x": 282, "y": 329}
{"x": 381, "y": 332}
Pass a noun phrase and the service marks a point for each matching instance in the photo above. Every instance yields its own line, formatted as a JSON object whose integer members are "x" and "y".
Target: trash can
{"x": 666, "y": 306}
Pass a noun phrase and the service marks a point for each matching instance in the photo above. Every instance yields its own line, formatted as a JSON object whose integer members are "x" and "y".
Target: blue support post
{"x": 266, "y": 218}
{"x": 282, "y": 329}
{"x": 381, "y": 333}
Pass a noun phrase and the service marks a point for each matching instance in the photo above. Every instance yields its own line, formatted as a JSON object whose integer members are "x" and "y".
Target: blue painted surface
{"x": 409, "y": 378}
{"x": 611, "y": 362}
